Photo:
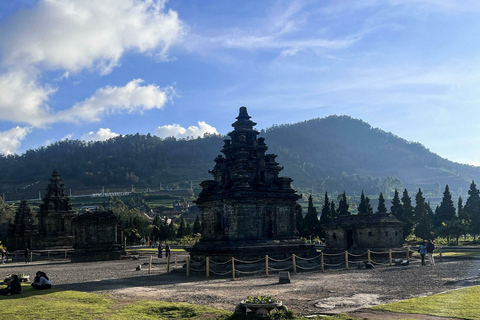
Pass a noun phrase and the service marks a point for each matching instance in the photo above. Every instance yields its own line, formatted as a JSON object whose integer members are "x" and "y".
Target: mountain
{"x": 331, "y": 154}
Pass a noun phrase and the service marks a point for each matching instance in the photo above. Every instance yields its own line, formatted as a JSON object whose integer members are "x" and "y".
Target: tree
{"x": 472, "y": 209}
{"x": 381, "y": 204}
{"x": 397, "y": 209}
{"x": 197, "y": 226}
{"x": 310, "y": 221}
{"x": 424, "y": 227}
{"x": 182, "y": 229}
{"x": 343, "y": 206}
{"x": 333, "y": 210}
{"x": 364, "y": 207}
{"x": 464, "y": 219}
{"x": 446, "y": 210}
{"x": 408, "y": 214}
{"x": 326, "y": 215}
{"x": 7, "y": 216}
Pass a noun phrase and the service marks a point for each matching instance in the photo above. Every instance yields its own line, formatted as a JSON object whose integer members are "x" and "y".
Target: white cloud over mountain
{"x": 179, "y": 132}
{"x": 102, "y": 134}
{"x": 10, "y": 140}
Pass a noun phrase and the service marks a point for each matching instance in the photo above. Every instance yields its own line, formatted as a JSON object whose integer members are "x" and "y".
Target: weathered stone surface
{"x": 98, "y": 236}
{"x": 247, "y": 209}
{"x": 358, "y": 233}
{"x": 55, "y": 217}
{"x": 24, "y": 230}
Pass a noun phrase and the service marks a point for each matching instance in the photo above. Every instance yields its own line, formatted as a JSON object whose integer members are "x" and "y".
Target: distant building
{"x": 358, "y": 233}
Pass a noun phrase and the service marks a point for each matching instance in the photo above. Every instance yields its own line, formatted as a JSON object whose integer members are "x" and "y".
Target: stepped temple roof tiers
{"x": 247, "y": 209}
{"x": 23, "y": 231}
{"x": 55, "y": 217}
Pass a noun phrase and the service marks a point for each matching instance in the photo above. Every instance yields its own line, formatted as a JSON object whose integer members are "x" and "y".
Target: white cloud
{"x": 177, "y": 131}
{"x": 102, "y": 134}
{"x": 23, "y": 100}
{"x": 74, "y": 35}
{"x": 130, "y": 98}
{"x": 10, "y": 140}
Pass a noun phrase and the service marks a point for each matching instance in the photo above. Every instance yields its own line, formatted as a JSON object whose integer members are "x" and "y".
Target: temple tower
{"x": 24, "y": 230}
{"x": 247, "y": 209}
{"x": 55, "y": 217}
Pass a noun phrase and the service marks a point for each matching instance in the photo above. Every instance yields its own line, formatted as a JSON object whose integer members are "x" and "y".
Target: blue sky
{"x": 93, "y": 69}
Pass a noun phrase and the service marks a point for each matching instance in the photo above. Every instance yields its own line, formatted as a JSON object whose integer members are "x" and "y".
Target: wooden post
{"x": 207, "y": 268}
{"x": 369, "y": 258}
{"x": 346, "y": 260}
{"x": 175, "y": 261}
{"x": 188, "y": 266}
{"x": 408, "y": 253}
{"x": 168, "y": 264}
{"x": 266, "y": 265}
{"x": 321, "y": 261}
{"x": 294, "y": 264}
{"x": 150, "y": 264}
{"x": 233, "y": 268}
{"x": 390, "y": 256}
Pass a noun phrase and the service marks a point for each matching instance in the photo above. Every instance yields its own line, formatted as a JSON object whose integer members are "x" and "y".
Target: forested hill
{"x": 330, "y": 154}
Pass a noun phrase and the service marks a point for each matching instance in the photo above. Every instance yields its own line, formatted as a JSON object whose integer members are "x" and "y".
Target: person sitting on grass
{"x": 41, "y": 281}
{"x": 14, "y": 286}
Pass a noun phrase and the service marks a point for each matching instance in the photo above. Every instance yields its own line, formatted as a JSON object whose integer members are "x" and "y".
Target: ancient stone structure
{"x": 247, "y": 209}
{"x": 24, "y": 231}
{"x": 358, "y": 233}
{"x": 55, "y": 217}
{"x": 98, "y": 237}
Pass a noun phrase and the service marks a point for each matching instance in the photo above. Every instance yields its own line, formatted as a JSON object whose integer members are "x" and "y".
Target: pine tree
{"x": 182, "y": 229}
{"x": 472, "y": 209}
{"x": 424, "y": 227}
{"x": 362, "y": 207}
{"x": 397, "y": 209}
{"x": 446, "y": 210}
{"x": 326, "y": 215}
{"x": 343, "y": 206}
{"x": 197, "y": 226}
{"x": 464, "y": 219}
{"x": 333, "y": 210}
{"x": 310, "y": 222}
{"x": 381, "y": 204}
{"x": 408, "y": 214}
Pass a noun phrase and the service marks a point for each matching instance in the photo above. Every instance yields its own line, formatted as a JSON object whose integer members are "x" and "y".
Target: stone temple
{"x": 248, "y": 211}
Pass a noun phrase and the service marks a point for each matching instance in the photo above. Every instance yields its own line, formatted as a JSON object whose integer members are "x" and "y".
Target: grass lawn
{"x": 54, "y": 304}
{"x": 461, "y": 303}
{"x": 475, "y": 254}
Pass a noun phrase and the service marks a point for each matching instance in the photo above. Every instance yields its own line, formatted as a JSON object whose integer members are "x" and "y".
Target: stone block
{"x": 284, "y": 277}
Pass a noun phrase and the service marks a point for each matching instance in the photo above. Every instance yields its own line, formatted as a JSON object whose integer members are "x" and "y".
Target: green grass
{"x": 461, "y": 303}
{"x": 472, "y": 254}
{"x": 54, "y": 304}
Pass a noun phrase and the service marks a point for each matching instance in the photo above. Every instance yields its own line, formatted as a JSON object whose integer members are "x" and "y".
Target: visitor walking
{"x": 26, "y": 254}
{"x": 430, "y": 249}
{"x": 160, "y": 248}
{"x": 4, "y": 253}
{"x": 422, "y": 250}
{"x": 167, "y": 251}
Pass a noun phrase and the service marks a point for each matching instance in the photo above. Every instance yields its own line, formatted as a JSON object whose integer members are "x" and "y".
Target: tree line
{"x": 420, "y": 220}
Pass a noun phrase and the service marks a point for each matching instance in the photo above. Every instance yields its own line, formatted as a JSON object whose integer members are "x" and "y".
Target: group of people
{"x": 40, "y": 282}
{"x": 427, "y": 249}
{"x": 26, "y": 255}
{"x": 167, "y": 250}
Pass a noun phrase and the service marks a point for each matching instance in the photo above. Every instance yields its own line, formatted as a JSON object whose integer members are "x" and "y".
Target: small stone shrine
{"x": 358, "y": 233}
{"x": 98, "y": 237}
{"x": 248, "y": 211}
{"x": 24, "y": 230}
{"x": 55, "y": 217}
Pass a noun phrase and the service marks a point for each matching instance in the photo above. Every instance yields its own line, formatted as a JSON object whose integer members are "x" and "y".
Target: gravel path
{"x": 308, "y": 293}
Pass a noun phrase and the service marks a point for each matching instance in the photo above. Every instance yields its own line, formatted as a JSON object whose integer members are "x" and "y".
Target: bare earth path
{"x": 309, "y": 293}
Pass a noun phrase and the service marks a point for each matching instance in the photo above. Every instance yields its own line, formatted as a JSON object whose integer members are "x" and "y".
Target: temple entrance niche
{"x": 247, "y": 209}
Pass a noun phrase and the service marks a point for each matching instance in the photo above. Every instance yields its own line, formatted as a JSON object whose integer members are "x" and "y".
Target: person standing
{"x": 4, "y": 253}
{"x": 422, "y": 250}
{"x": 160, "y": 248}
{"x": 430, "y": 249}
{"x": 26, "y": 254}
{"x": 167, "y": 251}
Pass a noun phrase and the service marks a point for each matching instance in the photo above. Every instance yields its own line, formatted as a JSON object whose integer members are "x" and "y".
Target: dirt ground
{"x": 308, "y": 293}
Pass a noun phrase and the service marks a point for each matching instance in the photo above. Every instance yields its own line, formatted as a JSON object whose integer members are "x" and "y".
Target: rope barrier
{"x": 285, "y": 269}
{"x": 200, "y": 261}
{"x": 308, "y": 259}
{"x": 381, "y": 252}
{"x": 334, "y": 265}
{"x": 254, "y": 261}
{"x": 249, "y": 272}
{"x": 279, "y": 260}
{"x": 304, "y": 268}
{"x": 356, "y": 255}
{"x": 220, "y": 273}
{"x": 333, "y": 254}
{"x": 229, "y": 261}
{"x": 197, "y": 270}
